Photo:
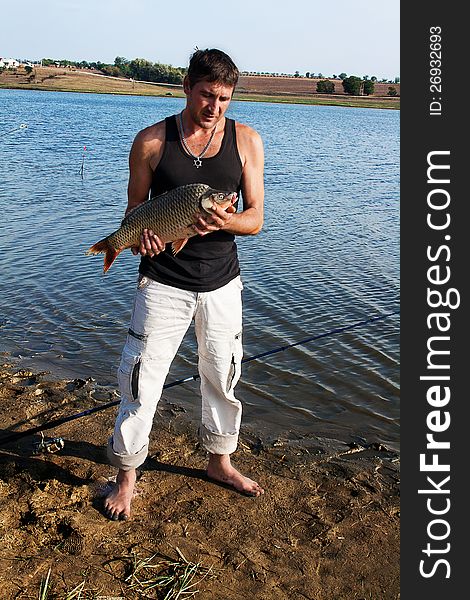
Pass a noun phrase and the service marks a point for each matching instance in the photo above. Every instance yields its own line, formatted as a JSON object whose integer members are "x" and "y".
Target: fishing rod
{"x": 82, "y": 168}
{"x": 56, "y": 422}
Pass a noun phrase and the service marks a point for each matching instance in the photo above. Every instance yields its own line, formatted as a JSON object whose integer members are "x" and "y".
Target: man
{"x": 200, "y": 282}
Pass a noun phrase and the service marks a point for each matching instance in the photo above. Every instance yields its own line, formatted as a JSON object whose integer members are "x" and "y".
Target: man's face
{"x": 207, "y": 102}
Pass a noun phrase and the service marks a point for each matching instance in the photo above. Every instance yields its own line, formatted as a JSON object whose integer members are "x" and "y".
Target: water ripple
{"x": 328, "y": 255}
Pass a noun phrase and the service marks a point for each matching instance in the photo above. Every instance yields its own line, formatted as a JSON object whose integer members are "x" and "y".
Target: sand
{"x": 327, "y": 527}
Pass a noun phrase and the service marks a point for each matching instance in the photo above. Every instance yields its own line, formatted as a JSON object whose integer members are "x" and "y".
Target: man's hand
{"x": 150, "y": 244}
{"x": 218, "y": 219}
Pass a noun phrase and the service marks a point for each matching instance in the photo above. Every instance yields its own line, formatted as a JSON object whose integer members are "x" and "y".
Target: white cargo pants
{"x": 162, "y": 314}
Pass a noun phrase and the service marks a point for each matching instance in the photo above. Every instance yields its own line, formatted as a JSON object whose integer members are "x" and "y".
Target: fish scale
{"x": 169, "y": 216}
{"x": 166, "y": 215}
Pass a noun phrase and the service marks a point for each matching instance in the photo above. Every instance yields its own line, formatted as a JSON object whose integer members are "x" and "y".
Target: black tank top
{"x": 210, "y": 261}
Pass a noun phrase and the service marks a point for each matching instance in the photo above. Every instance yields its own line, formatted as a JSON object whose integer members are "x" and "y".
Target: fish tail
{"x": 110, "y": 253}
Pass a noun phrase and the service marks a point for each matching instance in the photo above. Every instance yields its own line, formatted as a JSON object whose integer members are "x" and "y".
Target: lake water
{"x": 328, "y": 256}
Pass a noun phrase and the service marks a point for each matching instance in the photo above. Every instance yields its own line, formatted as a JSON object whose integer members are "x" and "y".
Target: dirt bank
{"x": 327, "y": 527}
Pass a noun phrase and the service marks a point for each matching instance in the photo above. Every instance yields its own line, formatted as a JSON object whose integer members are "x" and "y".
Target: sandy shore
{"x": 327, "y": 527}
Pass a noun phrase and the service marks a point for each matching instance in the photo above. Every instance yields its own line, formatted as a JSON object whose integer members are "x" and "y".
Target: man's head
{"x": 214, "y": 66}
{"x": 208, "y": 85}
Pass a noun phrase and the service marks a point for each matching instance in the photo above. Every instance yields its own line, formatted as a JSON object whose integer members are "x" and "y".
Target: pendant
{"x": 197, "y": 162}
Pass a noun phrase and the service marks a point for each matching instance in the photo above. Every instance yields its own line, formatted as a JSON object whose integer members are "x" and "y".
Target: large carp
{"x": 170, "y": 216}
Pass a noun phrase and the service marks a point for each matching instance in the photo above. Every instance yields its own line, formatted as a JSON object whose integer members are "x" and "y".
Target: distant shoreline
{"x": 52, "y": 79}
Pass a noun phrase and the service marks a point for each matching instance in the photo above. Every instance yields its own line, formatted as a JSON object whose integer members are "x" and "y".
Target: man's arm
{"x": 144, "y": 155}
{"x": 250, "y": 220}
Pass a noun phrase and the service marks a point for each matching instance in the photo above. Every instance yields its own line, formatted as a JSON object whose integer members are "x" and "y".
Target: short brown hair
{"x": 212, "y": 65}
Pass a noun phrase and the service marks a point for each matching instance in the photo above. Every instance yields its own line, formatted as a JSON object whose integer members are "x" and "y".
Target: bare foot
{"x": 221, "y": 469}
{"x": 117, "y": 504}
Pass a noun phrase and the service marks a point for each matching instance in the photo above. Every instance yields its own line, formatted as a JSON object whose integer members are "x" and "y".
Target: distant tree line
{"x": 352, "y": 85}
{"x": 343, "y": 76}
{"x": 144, "y": 70}
{"x": 141, "y": 69}
{"x": 47, "y": 62}
{"x": 138, "y": 69}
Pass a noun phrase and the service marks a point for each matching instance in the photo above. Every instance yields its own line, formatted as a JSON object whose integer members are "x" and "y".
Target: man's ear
{"x": 186, "y": 86}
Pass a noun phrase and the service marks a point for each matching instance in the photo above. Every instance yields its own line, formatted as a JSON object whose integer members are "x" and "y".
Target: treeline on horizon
{"x": 144, "y": 70}
{"x": 138, "y": 68}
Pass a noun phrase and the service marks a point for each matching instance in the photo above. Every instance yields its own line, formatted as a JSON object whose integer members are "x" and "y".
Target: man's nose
{"x": 215, "y": 105}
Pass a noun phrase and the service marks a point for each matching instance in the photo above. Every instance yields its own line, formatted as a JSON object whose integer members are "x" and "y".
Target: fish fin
{"x": 177, "y": 245}
{"x": 110, "y": 254}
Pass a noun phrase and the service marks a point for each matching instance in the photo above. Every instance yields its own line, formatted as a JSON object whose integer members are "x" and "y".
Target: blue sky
{"x": 358, "y": 37}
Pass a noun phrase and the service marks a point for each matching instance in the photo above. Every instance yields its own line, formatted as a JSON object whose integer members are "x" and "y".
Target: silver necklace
{"x": 197, "y": 159}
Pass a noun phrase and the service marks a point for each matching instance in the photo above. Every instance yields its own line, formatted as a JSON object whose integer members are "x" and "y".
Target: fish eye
{"x": 221, "y": 196}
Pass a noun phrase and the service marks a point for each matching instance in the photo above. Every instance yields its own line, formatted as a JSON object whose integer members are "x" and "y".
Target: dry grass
{"x": 60, "y": 80}
{"x": 160, "y": 575}
{"x": 45, "y": 587}
{"x": 300, "y": 86}
{"x": 156, "y": 577}
{"x": 79, "y": 592}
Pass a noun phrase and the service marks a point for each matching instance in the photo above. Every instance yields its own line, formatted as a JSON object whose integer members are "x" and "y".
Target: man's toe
{"x": 110, "y": 513}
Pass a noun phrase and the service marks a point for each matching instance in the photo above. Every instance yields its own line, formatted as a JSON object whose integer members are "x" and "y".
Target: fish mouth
{"x": 229, "y": 199}
{"x": 211, "y": 198}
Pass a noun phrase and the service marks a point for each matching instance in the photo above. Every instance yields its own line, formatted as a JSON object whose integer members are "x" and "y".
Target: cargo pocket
{"x": 129, "y": 370}
{"x": 235, "y": 362}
